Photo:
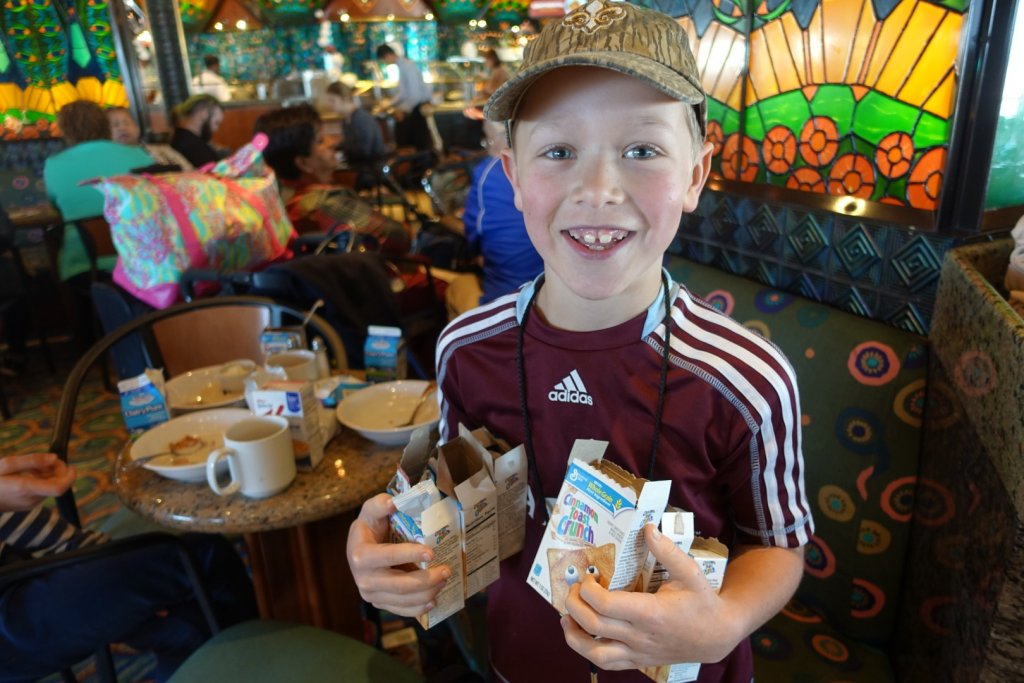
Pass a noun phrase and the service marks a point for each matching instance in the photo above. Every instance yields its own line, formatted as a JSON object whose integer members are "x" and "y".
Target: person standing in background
{"x": 411, "y": 129}
{"x": 210, "y": 82}
{"x": 196, "y": 120}
{"x": 499, "y": 74}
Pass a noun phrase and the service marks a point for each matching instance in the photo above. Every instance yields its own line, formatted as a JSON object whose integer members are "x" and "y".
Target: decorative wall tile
{"x": 883, "y": 271}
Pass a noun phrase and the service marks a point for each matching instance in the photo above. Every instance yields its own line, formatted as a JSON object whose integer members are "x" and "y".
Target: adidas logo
{"x": 571, "y": 390}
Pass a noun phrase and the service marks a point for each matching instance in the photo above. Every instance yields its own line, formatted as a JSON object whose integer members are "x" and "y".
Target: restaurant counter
{"x": 240, "y": 116}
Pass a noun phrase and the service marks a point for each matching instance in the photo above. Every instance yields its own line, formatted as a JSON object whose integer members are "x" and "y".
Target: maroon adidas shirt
{"x": 730, "y": 441}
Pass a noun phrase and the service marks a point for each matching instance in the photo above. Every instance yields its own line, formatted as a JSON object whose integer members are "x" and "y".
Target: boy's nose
{"x": 599, "y": 183}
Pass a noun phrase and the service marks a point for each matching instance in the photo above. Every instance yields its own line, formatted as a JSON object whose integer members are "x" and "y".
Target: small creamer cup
{"x": 298, "y": 364}
{"x": 233, "y": 374}
{"x": 261, "y": 462}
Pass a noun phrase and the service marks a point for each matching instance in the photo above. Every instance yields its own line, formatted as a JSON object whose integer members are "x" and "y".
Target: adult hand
{"x": 26, "y": 480}
{"x": 386, "y": 573}
{"x": 685, "y": 621}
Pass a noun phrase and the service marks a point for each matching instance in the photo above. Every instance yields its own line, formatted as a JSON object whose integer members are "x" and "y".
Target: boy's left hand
{"x": 685, "y": 621}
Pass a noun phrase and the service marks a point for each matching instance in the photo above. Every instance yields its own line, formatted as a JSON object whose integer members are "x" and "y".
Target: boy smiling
{"x": 606, "y": 124}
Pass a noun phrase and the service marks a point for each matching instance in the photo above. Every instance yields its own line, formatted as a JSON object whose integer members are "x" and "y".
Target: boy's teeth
{"x": 598, "y": 238}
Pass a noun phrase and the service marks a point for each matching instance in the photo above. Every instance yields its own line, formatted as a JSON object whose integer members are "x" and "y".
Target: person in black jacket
{"x": 196, "y": 120}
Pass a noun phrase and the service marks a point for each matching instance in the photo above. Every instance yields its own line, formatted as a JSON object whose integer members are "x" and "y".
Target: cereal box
{"x": 464, "y": 478}
{"x": 508, "y": 472}
{"x": 596, "y": 526}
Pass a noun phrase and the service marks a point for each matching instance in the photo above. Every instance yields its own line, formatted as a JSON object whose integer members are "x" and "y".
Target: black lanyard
{"x": 531, "y": 457}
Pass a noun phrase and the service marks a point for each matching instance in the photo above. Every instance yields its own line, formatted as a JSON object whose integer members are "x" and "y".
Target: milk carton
{"x": 297, "y": 402}
{"x": 384, "y": 354}
{"x": 596, "y": 526}
{"x": 143, "y": 402}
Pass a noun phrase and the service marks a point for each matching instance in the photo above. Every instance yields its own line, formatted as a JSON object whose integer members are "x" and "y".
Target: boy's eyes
{"x": 641, "y": 152}
{"x": 557, "y": 153}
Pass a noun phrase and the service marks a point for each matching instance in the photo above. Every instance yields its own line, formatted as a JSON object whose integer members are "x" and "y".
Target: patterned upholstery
{"x": 862, "y": 388}
{"x": 21, "y": 188}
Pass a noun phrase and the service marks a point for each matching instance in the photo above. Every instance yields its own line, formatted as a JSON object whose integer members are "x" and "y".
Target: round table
{"x": 296, "y": 539}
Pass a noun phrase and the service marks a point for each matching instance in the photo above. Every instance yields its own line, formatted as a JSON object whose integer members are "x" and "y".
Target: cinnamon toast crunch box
{"x": 596, "y": 526}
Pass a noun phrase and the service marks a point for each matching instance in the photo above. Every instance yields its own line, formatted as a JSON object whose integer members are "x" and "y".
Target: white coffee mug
{"x": 298, "y": 364}
{"x": 261, "y": 462}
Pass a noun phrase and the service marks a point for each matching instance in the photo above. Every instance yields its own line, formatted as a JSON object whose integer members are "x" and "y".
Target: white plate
{"x": 375, "y": 410}
{"x": 200, "y": 390}
{"x": 188, "y": 463}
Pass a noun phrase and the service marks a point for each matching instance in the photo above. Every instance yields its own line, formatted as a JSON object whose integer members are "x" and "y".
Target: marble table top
{"x": 353, "y": 469}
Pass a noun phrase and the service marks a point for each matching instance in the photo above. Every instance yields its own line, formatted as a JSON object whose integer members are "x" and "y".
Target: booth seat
{"x": 862, "y": 395}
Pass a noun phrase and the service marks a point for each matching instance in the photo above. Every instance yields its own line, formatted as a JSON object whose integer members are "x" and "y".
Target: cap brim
{"x": 503, "y": 103}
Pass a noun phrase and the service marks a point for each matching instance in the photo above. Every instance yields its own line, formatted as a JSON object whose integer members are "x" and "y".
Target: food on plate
{"x": 186, "y": 445}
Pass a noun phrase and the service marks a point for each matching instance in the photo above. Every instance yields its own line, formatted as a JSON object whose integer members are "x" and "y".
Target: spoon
{"x": 142, "y": 460}
{"x": 427, "y": 391}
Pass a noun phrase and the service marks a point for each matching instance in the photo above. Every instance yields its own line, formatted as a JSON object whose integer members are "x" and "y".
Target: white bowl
{"x": 232, "y": 375}
{"x": 375, "y": 410}
{"x": 182, "y": 462}
{"x": 200, "y": 389}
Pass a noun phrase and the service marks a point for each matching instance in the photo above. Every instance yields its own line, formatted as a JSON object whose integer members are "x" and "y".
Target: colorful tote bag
{"x": 228, "y": 217}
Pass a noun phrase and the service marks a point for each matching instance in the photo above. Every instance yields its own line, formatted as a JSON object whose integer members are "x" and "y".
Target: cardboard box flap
{"x": 457, "y": 461}
{"x": 414, "y": 462}
{"x": 588, "y": 450}
{"x": 508, "y": 470}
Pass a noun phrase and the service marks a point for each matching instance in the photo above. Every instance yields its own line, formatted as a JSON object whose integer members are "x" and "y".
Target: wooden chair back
{"x": 209, "y": 337}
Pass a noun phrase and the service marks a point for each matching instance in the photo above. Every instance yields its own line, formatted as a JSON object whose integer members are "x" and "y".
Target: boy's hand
{"x": 27, "y": 480}
{"x": 386, "y": 573}
{"x": 685, "y": 621}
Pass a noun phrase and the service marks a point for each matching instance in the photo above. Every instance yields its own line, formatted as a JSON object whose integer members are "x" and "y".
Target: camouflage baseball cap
{"x": 620, "y": 36}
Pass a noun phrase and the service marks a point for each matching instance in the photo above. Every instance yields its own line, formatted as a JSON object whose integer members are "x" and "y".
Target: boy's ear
{"x": 699, "y": 176}
{"x": 508, "y": 164}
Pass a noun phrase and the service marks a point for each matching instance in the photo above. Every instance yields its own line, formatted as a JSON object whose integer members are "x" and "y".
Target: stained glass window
{"x": 53, "y": 52}
{"x": 844, "y": 97}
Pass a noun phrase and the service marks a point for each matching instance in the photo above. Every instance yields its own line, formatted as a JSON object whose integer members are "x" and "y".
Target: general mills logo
{"x": 574, "y": 474}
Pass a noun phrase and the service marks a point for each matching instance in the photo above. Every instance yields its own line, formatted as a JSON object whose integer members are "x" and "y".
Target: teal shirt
{"x": 62, "y": 173}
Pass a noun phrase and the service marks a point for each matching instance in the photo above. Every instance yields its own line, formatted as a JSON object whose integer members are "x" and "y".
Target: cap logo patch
{"x": 594, "y": 16}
